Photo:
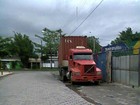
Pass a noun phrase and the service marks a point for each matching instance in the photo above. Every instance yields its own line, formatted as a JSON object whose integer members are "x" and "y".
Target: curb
{"x": 6, "y": 74}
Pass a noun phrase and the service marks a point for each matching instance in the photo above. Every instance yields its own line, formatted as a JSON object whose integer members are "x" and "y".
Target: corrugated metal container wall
{"x": 68, "y": 42}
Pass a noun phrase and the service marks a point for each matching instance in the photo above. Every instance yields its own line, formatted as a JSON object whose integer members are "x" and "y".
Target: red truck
{"x": 76, "y": 60}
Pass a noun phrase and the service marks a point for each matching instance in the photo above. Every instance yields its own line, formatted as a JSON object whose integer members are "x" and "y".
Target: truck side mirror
{"x": 70, "y": 57}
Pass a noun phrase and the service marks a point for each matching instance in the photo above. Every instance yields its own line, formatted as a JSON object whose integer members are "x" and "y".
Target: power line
{"x": 87, "y": 17}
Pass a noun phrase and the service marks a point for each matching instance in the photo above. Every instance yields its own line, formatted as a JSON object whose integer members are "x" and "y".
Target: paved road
{"x": 36, "y": 88}
{"x": 112, "y": 94}
{"x": 107, "y": 94}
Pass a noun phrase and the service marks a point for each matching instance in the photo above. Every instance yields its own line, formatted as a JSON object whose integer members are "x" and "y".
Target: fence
{"x": 126, "y": 67}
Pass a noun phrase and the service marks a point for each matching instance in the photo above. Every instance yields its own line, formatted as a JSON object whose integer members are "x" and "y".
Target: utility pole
{"x": 94, "y": 42}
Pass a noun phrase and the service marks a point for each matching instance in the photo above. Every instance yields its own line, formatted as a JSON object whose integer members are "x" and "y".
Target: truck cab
{"x": 81, "y": 66}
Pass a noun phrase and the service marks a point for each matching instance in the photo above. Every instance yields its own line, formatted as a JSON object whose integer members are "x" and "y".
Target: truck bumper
{"x": 86, "y": 78}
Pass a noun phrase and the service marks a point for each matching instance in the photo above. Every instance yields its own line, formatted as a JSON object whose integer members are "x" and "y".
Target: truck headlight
{"x": 99, "y": 73}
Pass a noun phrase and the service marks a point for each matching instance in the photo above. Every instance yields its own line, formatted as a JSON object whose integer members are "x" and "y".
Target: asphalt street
{"x": 36, "y": 88}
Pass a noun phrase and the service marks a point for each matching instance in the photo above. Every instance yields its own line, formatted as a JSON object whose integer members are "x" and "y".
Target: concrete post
{"x": 108, "y": 66}
{"x": 1, "y": 68}
{"x": 1, "y": 72}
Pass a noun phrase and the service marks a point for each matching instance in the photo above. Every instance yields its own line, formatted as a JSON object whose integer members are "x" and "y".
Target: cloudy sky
{"x": 31, "y": 16}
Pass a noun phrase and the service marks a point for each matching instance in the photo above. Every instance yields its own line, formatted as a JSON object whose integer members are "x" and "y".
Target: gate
{"x": 101, "y": 62}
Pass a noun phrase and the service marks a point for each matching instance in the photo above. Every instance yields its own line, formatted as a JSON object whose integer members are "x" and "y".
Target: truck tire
{"x": 97, "y": 82}
{"x": 72, "y": 82}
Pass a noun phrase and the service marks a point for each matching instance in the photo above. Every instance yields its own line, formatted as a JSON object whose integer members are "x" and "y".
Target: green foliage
{"x": 44, "y": 57}
{"x": 51, "y": 40}
{"x": 126, "y": 37}
{"x": 95, "y": 46}
{"x": 5, "y": 46}
{"x": 23, "y": 47}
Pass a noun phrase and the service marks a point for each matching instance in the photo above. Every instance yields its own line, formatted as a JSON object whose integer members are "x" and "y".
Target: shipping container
{"x": 66, "y": 43}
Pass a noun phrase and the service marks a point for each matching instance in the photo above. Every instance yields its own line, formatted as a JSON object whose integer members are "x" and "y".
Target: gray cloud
{"x": 30, "y": 17}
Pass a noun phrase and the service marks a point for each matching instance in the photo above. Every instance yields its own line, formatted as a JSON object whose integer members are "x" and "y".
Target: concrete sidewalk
{"x": 5, "y": 73}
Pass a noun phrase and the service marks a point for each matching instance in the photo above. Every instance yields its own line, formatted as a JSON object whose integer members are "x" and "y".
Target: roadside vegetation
{"x": 127, "y": 36}
{"x": 21, "y": 46}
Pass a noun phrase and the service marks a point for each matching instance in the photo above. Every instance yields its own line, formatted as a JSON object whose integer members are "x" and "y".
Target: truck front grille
{"x": 88, "y": 69}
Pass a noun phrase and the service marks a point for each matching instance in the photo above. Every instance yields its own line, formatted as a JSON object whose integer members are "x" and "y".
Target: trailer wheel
{"x": 72, "y": 82}
{"x": 62, "y": 76}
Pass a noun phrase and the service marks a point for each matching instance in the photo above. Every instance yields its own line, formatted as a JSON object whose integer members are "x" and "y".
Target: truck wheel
{"x": 72, "y": 82}
{"x": 63, "y": 78}
{"x": 97, "y": 82}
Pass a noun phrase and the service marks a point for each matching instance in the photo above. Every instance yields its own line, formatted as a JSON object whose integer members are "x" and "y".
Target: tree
{"x": 51, "y": 39}
{"x": 42, "y": 50}
{"x": 5, "y": 46}
{"x": 126, "y": 37}
{"x": 23, "y": 47}
{"x": 93, "y": 43}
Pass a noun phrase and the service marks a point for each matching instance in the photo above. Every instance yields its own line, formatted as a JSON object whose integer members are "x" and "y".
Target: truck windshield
{"x": 83, "y": 56}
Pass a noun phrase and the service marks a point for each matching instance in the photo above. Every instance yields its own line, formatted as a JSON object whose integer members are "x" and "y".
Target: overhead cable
{"x": 86, "y": 17}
